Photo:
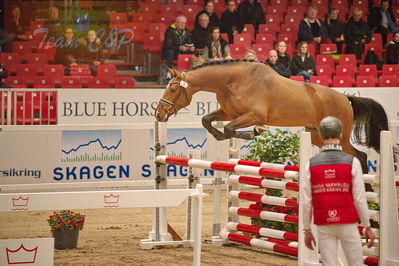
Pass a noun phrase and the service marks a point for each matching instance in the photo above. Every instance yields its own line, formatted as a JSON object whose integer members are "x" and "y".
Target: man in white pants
{"x": 334, "y": 188}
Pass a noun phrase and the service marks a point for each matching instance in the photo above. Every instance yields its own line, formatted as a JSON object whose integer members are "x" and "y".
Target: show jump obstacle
{"x": 285, "y": 177}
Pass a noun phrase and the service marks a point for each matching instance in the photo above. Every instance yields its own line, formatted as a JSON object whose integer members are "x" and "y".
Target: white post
{"x": 306, "y": 257}
{"x": 193, "y": 180}
{"x": 234, "y": 153}
{"x": 389, "y": 231}
{"x": 197, "y": 224}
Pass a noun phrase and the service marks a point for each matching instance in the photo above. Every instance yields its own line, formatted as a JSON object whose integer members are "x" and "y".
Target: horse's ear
{"x": 178, "y": 74}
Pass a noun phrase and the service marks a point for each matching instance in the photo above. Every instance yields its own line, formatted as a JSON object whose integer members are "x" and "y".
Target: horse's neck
{"x": 206, "y": 79}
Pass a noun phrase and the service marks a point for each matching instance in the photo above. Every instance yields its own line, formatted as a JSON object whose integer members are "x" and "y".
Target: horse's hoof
{"x": 249, "y": 135}
{"x": 220, "y": 137}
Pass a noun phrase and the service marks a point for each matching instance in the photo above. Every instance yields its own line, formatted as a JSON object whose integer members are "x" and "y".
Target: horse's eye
{"x": 172, "y": 89}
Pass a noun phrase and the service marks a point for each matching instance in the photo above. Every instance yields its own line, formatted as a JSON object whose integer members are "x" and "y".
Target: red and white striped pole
{"x": 262, "y": 231}
{"x": 264, "y": 183}
{"x": 228, "y": 167}
{"x": 265, "y": 165}
{"x": 254, "y": 242}
{"x": 266, "y": 215}
{"x": 266, "y": 199}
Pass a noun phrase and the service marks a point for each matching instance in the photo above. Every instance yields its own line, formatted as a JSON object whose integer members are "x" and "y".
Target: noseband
{"x": 183, "y": 86}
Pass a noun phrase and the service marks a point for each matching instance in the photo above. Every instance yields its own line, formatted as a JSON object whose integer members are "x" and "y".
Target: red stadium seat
{"x": 124, "y": 83}
{"x": 199, "y": 3}
{"x": 117, "y": 18}
{"x": 325, "y": 60}
{"x": 243, "y": 39}
{"x": 376, "y": 39}
{"x": 346, "y": 70}
{"x": 150, "y": 9}
{"x": 365, "y": 81}
{"x": 28, "y": 71}
{"x": 71, "y": 82}
{"x": 43, "y": 82}
{"x": 262, "y": 50}
{"x": 293, "y": 18}
{"x": 265, "y": 38}
{"x": 279, "y": 2}
{"x": 16, "y": 82}
{"x": 389, "y": 81}
{"x": 106, "y": 71}
{"x": 158, "y": 28}
{"x": 80, "y": 70}
{"x": 289, "y": 38}
{"x": 296, "y": 10}
{"x": 192, "y": 10}
{"x": 368, "y": 70}
{"x": 249, "y": 29}
{"x": 55, "y": 71}
{"x": 138, "y": 28}
{"x": 322, "y": 80}
{"x": 37, "y": 58}
{"x": 152, "y": 43}
{"x": 276, "y": 10}
{"x": 166, "y": 18}
{"x": 98, "y": 83}
{"x": 184, "y": 61}
{"x": 269, "y": 28}
{"x": 348, "y": 59}
{"x": 328, "y": 48}
{"x": 390, "y": 70}
{"x": 325, "y": 70}
{"x": 297, "y": 78}
{"x": 141, "y": 18}
{"x": 290, "y": 28}
{"x": 274, "y": 19}
{"x": 48, "y": 48}
{"x": 376, "y": 48}
{"x": 10, "y": 61}
{"x": 237, "y": 50}
{"x": 23, "y": 48}
{"x": 342, "y": 81}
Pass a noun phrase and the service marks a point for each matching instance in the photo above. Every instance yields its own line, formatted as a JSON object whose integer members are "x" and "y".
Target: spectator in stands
{"x": 357, "y": 33}
{"x": 209, "y": 9}
{"x": 311, "y": 30}
{"x": 15, "y": 25}
{"x": 283, "y": 56}
{"x": 91, "y": 51}
{"x": 335, "y": 28}
{"x": 201, "y": 33}
{"x": 3, "y": 76}
{"x": 303, "y": 63}
{"x": 272, "y": 60}
{"x": 230, "y": 22}
{"x": 251, "y": 12}
{"x": 53, "y": 24}
{"x": 67, "y": 51}
{"x": 217, "y": 48}
{"x": 177, "y": 40}
{"x": 250, "y": 55}
{"x": 5, "y": 41}
{"x": 392, "y": 55}
{"x": 382, "y": 20}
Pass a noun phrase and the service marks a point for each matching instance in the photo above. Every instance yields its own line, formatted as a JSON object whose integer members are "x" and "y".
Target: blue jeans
{"x": 305, "y": 74}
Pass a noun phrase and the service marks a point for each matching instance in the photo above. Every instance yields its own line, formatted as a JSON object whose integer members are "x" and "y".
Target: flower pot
{"x": 66, "y": 238}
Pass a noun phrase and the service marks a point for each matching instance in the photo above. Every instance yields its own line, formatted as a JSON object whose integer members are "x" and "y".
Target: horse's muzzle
{"x": 160, "y": 114}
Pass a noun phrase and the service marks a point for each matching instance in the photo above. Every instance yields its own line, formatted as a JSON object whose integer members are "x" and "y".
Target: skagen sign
{"x": 124, "y": 106}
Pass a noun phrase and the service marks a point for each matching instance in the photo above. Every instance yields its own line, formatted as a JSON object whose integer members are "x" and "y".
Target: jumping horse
{"x": 251, "y": 93}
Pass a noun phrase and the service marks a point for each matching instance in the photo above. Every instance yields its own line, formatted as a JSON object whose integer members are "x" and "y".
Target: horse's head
{"x": 177, "y": 96}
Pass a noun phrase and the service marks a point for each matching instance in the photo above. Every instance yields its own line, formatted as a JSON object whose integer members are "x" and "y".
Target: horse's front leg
{"x": 218, "y": 115}
{"x": 245, "y": 120}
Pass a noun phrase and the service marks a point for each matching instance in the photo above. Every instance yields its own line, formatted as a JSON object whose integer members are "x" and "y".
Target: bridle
{"x": 170, "y": 104}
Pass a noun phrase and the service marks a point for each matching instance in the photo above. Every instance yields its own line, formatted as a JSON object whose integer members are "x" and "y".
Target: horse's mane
{"x": 223, "y": 62}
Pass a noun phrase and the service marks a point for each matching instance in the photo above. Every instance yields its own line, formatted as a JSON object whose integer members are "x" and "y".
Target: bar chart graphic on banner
{"x": 91, "y": 145}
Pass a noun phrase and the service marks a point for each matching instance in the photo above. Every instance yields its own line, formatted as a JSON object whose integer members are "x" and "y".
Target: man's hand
{"x": 369, "y": 236}
{"x": 309, "y": 239}
{"x": 317, "y": 39}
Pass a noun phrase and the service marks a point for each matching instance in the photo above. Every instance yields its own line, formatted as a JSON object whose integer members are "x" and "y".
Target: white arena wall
{"x": 106, "y": 135}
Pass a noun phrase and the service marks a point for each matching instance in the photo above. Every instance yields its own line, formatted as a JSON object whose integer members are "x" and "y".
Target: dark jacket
{"x": 223, "y": 44}
{"x": 200, "y": 36}
{"x": 354, "y": 33}
{"x": 90, "y": 52}
{"x": 251, "y": 14}
{"x": 285, "y": 60}
{"x": 375, "y": 19}
{"x": 55, "y": 28}
{"x": 335, "y": 28}
{"x": 392, "y": 55}
{"x": 174, "y": 39}
{"x": 66, "y": 50}
{"x": 281, "y": 69}
{"x": 297, "y": 65}
{"x": 3, "y": 75}
{"x": 230, "y": 20}
{"x": 13, "y": 29}
{"x": 213, "y": 19}
{"x": 305, "y": 31}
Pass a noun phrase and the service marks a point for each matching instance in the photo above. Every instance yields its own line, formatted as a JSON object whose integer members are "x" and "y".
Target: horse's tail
{"x": 369, "y": 118}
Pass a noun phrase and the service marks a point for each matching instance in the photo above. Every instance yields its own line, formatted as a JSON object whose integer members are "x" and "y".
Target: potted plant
{"x": 65, "y": 226}
{"x": 274, "y": 146}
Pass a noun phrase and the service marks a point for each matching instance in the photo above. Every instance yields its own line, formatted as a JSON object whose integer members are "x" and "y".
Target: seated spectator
{"x": 283, "y": 57}
{"x": 303, "y": 63}
{"x": 91, "y": 51}
{"x": 311, "y": 30}
{"x": 250, "y": 55}
{"x": 392, "y": 55}
{"x": 15, "y": 26}
{"x": 5, "y": 41}
{"x": 381, "y": 20}
{"x": 67, "y": 51}
{"x": 230, "y": 22}
{"x": 177, "y": 40}
{"x": 217, "y": 48}
{"x": 201, "y": 33}
{"x": 357, "y": 33}
{"x": 3, "y": 76}
{"x": 272, "y": 60}
{"x": 251, "y": 12}
{"x": 53, "y": 24}
{"x": 209, "y": 9}
{"x": 335, "y": 28}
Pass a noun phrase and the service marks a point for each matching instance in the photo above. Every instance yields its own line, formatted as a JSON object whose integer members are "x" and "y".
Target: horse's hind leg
{"x": 245, "y": 120}
{"x": 218, "y": 115}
